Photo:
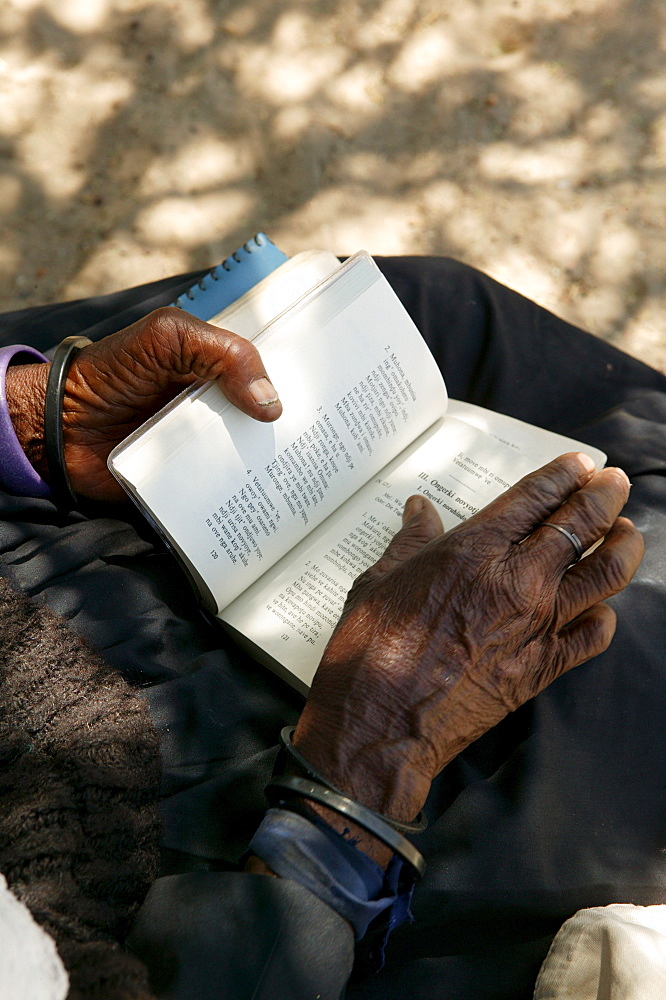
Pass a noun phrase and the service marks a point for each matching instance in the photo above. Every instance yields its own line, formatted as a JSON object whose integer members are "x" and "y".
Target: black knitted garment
{"x": 79, "y": 776}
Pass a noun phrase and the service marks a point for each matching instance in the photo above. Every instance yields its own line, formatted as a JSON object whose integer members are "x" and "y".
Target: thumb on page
{"x": 236, "y": 365}
{"x": 168, "y": 349}
{"x": 180, "y": 348}
{"x": 420, "y": 524}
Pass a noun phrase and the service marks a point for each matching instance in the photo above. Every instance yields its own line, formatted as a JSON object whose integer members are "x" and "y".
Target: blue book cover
{"x": 225, "y": 283}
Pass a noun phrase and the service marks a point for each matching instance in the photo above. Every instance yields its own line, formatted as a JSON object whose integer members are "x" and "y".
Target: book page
{"x": 291, "y": 612}
{"x": 538, "y": 443}
{"x": 277, "y": 291}
{"x": 233, "y": 495}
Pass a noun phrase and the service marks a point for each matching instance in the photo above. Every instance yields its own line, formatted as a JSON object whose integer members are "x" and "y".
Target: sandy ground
{"x": 527, "y": 137}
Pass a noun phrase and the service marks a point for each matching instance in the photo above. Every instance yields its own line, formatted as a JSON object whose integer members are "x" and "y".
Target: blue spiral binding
{"x": 225, "y": 283}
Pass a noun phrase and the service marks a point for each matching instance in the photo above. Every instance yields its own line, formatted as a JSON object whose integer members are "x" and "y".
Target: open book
{"x": 273, "y": 522}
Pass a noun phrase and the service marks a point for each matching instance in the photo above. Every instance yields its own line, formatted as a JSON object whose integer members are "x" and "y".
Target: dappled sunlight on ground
{"x": 527, "y": 137}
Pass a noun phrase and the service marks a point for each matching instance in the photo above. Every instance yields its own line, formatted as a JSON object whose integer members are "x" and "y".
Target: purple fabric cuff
{"x": 17, "y": 475}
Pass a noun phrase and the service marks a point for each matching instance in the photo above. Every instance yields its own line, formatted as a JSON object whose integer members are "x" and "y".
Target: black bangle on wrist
{"x": 63, "y": 494}
{"x": 290, "y": 786}
{"x": 419, "y": 824}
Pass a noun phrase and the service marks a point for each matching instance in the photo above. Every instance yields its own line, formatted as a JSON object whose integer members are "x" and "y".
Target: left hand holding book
{"x": 114, "y": 385}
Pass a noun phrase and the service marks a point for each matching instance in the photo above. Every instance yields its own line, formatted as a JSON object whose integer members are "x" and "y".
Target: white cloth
{"x": 30, "y": 967}
{"x": 613, "y": 952}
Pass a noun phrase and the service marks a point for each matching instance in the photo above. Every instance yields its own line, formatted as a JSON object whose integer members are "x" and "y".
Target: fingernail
{"x": 586, "y": 461}
{"x": 621, "y": 474}
{"x": 413, "y": 507}
{"x": 263, "y": 392}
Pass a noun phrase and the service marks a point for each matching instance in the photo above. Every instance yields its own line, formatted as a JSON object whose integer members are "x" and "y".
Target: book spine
{"x": 225, "y": 283}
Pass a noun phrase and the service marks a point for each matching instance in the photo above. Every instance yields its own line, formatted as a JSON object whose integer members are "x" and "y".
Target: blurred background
{"x": 140, "y": 138}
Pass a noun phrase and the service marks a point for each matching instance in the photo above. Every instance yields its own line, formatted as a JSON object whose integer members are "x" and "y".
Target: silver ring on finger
{"x": 570, "y": 536}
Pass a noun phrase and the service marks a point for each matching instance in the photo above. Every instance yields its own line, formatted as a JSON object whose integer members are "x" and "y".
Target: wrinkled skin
{"x": 116, "y": 384}
{"x": 448, "y": 633}
{"x": 441, "y": 638}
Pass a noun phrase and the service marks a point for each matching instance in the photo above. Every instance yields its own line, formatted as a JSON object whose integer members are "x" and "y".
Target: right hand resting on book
{"x": 448, "y": 633}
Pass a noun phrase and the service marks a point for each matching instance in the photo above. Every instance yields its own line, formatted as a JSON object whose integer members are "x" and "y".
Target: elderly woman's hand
{"x": 448, "y": 633}
{"x": 116, "y": 384}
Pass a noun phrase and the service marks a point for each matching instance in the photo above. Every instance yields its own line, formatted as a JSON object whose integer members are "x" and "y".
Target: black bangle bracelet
{"x": 419, "y": 824}
{"x": 354, "y": 811}
{"x": 61, "y": 488}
